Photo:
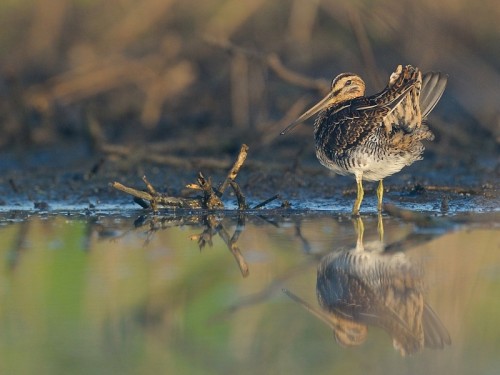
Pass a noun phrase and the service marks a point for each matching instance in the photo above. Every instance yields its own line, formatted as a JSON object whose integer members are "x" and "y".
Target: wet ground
{"x": 74, "y": 179}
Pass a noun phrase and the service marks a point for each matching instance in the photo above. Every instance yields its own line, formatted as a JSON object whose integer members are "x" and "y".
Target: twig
{"x": 159, "y": 199}
{"x": 150, "y": 187}
{"x": 239, "y": 195}
{"x": 134, "y": 192}
{"x": 210, "y": 200}
{"x": 267, "y": 201}
{"x": 231, "y": 176}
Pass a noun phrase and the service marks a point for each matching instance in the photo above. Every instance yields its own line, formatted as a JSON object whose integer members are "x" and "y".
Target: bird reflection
{"x": 369, "y": 286}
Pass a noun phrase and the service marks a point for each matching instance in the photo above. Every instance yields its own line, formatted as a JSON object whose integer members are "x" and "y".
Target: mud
{"x": 76, "y": 179}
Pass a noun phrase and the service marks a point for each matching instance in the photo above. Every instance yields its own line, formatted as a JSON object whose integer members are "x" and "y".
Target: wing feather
{"x": 397, "y": 110}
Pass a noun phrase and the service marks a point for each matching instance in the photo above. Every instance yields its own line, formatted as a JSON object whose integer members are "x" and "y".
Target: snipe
{"x": 376, "y": 136}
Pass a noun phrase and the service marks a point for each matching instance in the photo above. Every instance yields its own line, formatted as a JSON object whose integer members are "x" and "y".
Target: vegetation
{"x": 145, "y": 70}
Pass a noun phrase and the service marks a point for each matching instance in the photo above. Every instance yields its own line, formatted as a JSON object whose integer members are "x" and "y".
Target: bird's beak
{"x": 314, "y": 311}
{"x": 323, "y": 103}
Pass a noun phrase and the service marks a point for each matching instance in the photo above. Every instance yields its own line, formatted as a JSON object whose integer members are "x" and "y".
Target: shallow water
{"x": 204, "y": 294}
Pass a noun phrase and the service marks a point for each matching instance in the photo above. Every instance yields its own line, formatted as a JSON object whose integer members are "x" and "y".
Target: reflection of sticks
{"x": 411, "y": 216}
{"x": 305, "y": 242}
{"x": 231, "y": 245}
{"x": 212, "y": 228}
{"x": 264, "y": 294}
{"x": 19, "y": 244}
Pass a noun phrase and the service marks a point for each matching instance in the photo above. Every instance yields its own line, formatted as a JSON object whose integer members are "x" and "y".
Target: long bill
{"x": 314, "y": 311}
{"x": 323, "y": 103}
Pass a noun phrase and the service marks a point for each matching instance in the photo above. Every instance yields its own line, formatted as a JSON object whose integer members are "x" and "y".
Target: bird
{"x": 370, "y": 285}
{"x": 373, "y": 137}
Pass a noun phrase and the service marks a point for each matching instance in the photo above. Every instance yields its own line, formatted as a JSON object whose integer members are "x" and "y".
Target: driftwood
{"x": 210, "y": 198}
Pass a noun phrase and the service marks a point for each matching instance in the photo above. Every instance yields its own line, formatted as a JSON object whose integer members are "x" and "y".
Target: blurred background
{"x": 201, "y": 78}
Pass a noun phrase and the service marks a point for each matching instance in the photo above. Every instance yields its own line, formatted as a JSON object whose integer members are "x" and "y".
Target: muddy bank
{"x": 66, "y": 177}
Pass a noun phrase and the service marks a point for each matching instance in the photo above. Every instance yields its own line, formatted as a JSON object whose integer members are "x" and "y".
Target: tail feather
{"x": 436, "y": 335}
{"x": 433, "y": 85}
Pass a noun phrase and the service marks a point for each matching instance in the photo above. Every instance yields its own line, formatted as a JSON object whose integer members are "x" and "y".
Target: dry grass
{"x": 144, "y": 69}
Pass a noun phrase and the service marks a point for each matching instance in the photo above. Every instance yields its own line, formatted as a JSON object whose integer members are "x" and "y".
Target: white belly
{"x": 371, "y": 168}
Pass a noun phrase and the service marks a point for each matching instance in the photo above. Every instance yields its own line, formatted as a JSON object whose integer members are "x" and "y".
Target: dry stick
{"x": 178, "y": 162}
{"x": 159, "y": 199}
{"x": 162, "y": 159}
{"x": 154, "y": 194}
{"x": 150, "y": 187}
{"x": 231, "y": 176}
{"x": 275, "y": 64}
{"x": 365, "y": 47}
{"x": 267, "y": 201}
{"x": 242, "y": 205}
{"x": 210, "y": 199}
{"x": 134, "y": 192}
{"x": 295, "y": 78}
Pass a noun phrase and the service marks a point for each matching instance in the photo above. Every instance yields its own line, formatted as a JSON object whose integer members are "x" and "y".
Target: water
{"x": 104, "y": 294}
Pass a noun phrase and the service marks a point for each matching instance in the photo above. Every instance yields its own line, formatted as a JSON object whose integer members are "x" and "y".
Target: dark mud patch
{"x": 73, "y": 179}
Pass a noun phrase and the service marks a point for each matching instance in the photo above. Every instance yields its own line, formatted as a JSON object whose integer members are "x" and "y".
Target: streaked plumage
{"x": 374, "y": 137}
{"x": 369, "y": 286}
{"x": 359, "y": 287}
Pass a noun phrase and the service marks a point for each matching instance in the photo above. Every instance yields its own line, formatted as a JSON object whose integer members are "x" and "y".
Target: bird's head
{"x": 345, "y": 86}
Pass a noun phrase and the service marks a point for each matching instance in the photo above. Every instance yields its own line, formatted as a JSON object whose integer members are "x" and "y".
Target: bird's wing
{"x": 405, "y": 113}
{"x": 435, "y": 333}
{"x": 420, "y": 95}
{"x": 401, "y": 98}
{"x": 340, "y": 130}
{"x": 433, "y": 85}
{"x": 349, "y": 124}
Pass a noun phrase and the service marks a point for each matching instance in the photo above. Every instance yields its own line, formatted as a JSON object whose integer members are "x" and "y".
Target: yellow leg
{"x": 380, "y": 227}
{"x": 359, "y": 196}
{"x": 359, "y": 227}
{"x": 380, "y": 194}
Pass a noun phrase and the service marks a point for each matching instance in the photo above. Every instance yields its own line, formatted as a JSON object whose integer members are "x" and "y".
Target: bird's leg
{"x": 380, "y": 224}
{"x": 359, "y": 196}
{"x": 380, "y": 194}
{"x": 380, "y": 227}
{"x": 359, "y": 227}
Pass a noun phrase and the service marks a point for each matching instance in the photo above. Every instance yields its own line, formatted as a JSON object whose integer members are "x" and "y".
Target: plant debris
{"x": 210, "y": 198}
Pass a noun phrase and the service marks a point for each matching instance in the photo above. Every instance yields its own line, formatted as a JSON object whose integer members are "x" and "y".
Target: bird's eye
{"x": 348, "y": 82}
